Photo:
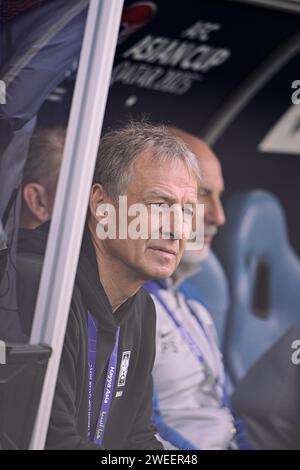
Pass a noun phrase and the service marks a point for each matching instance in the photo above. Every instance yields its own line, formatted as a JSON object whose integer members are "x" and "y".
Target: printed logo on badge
{"x": 124, "y": 368}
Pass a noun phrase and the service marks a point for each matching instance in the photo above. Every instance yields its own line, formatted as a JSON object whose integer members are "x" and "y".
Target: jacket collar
{"x": 182, "y": 273}
{"x": 87, "y": 276}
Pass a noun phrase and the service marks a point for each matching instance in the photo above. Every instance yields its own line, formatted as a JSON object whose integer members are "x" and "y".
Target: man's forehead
{"x": 148, "y": 170}
{"x": 150, "y": 160}
{"x": 212, "y": 174}
{"x": 209, "y": 163}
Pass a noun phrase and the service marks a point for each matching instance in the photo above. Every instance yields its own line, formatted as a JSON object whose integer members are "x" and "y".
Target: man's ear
{"x": 97, "y": 196}
{"x": 35, "y": 197}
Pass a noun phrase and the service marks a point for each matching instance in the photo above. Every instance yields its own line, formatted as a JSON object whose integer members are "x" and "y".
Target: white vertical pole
{"x": 85, "y": 123}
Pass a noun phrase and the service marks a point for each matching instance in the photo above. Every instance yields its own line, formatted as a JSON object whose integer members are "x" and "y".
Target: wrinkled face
{"x": 153, "y": 184}
{"x": 210, "y": 195}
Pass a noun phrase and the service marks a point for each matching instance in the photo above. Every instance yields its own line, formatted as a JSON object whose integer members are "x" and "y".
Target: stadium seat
{"x": 21, "y": 381}
{"x": 263, "y": 273}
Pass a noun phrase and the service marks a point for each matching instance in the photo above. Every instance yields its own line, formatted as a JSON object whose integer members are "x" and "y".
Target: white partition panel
{"x": 72, "y": 194}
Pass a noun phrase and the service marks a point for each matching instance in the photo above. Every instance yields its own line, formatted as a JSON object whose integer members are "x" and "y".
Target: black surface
{"x": 21, "y": 380}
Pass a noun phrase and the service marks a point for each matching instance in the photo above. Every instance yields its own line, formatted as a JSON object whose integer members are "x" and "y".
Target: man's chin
{"x": 192, "y": 257}
{"x": 160, "y": 267}
{"x": 161, "y": 272}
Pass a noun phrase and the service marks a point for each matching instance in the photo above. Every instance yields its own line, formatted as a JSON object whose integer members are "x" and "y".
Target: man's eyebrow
{"x": 209, "y": 191}
{"x": 158, "y": 194}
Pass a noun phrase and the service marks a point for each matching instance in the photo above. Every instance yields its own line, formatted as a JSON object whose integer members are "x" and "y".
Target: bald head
{"x": 208, "y": 160}
{"x": 213, "y": 184}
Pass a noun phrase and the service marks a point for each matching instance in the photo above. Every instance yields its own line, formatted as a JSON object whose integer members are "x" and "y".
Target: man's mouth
{"x": 163, "y": 250}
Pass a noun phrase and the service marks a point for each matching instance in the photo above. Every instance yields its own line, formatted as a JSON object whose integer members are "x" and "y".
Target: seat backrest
{"x": 264, "y": 278}
{"x": 22, "y": 375}
{"x": 21, "y": 381}
{"x": 210, "y": 287}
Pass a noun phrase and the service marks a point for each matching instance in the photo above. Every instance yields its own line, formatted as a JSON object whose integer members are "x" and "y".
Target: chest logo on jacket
{"x": 124, "y": 368}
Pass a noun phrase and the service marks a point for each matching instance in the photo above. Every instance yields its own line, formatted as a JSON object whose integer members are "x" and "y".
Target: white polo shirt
{"x": 189, "y": 402}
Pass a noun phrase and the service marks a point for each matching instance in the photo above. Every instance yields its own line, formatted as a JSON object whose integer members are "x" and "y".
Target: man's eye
{"x": 202, "y": 193}
{"x": 159, "y": 204}
{"x": 188, "y": 211}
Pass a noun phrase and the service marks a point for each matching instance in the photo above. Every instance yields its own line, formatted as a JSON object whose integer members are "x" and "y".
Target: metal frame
{"x": 249, "y": 87}
{"x": 59, "y": 270}
{"x": 76, "y": 173}
{"x": 292, "y": 6}
{"x": 255, "y": 81}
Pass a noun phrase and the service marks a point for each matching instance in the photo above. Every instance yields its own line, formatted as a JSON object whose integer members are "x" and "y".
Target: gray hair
{"x": 119, "y": 150}
{"x": 44, "y": 155}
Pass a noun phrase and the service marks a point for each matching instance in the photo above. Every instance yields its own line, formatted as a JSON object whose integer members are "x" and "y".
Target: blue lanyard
{"x": 194, "y": 347}
{"x": 109, "y": 381}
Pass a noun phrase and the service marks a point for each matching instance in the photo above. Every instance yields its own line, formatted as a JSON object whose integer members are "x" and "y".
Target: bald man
{"x": 211, "y": 191}
{"x": 190, "y": 407}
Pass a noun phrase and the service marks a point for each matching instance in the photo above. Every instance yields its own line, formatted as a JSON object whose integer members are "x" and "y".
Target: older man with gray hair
{"x": 103, "y": 397}
{"x": 190, "y": 407}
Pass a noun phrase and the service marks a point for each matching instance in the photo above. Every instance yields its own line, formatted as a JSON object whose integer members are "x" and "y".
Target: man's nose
{"x": 215, "y": 213}
{"x": 170, "y": 234}
{"x": 172, "y": 224}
